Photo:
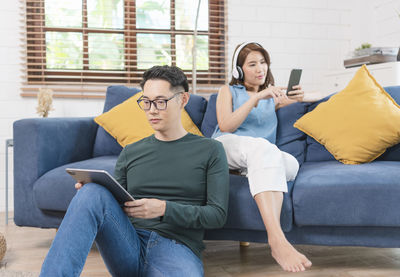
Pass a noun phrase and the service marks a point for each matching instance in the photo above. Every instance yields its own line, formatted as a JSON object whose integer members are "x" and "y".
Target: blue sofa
{"x": 329, "y": 203}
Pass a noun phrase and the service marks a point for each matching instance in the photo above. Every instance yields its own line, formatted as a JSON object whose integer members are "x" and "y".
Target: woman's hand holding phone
{"x": 297, "y": 94}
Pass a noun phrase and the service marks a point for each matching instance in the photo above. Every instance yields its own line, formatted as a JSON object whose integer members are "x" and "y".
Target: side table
{"x": 9, "y": 143}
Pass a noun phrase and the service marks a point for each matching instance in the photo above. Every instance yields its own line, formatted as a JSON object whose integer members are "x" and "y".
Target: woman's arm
{"x": 229, "y": 121}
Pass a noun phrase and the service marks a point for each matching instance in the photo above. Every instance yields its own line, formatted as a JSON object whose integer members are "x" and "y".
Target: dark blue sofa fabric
{"x": 288, "y": 138}
{"x": 243, "y": 212}
{"x": 105, "y": 144}
{"x": 39, "y": 146}
{"x": 210, "y": 117}
{"x": 58, "y": 185}
{"x": 317, "y": 152}
{"x": 334, "y": 194}
{"x": 318, "y": 235}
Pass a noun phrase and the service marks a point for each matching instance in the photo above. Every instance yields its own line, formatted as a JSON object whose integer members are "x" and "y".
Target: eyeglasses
{"x": 159, "y": 104}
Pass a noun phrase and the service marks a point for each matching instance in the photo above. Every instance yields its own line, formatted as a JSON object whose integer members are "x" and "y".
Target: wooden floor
{"x": 27, "y": 248}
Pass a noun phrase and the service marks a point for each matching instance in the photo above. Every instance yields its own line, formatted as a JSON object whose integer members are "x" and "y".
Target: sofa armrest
{"x": 41, "y": 144}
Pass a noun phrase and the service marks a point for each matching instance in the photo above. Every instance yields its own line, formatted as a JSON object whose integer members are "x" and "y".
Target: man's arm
{"x": 214, "y": 213}
{"x": 120, "y": 169}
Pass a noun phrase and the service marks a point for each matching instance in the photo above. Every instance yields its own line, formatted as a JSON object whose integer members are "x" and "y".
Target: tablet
{"x": 103, "y": 178}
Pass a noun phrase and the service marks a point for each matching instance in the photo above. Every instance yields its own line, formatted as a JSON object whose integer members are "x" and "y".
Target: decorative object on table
{"x": 45, "y": 101}
{"x": 365, "y": 54}
{"x": 362, "y": 50}
{"x": 3, "y": 246}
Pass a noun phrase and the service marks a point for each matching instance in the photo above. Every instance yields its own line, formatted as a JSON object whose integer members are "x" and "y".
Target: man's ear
{"x": 185, "y": 99}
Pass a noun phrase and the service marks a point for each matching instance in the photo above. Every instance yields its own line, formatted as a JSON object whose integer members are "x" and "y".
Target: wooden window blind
{"x": 79, "y": 47}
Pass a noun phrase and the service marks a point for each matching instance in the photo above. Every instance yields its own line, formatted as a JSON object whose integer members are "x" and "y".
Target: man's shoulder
{"x": 207, "y": 143}
{"x": 140, "y": 143}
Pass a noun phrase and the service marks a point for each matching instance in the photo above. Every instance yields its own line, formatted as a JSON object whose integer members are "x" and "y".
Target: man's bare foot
{"x": 288, "y": 257}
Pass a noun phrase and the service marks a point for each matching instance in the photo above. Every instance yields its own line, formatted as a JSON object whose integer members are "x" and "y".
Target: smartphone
{"x": 294, "y": 79}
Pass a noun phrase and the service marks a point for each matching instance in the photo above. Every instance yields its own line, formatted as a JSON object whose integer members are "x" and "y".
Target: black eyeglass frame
{"x": 153, "y": 102}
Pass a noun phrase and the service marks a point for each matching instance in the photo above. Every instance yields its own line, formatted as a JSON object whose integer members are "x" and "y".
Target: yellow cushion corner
{"x": 127, "y": 123}
{"x": 357, "y": 124}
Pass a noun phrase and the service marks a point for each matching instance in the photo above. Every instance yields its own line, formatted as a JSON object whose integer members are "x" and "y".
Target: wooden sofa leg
{"x": 244, "y": 244}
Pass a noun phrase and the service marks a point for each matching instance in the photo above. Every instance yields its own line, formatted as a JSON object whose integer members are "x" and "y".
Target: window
{"x": 102, "y": 42}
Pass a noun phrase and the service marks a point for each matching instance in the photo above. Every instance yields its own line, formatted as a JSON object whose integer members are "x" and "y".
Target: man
{"x": 180, "y": 183}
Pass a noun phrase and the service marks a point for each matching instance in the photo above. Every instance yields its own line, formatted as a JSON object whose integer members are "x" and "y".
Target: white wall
{"x": 314, "y": 35}
{"x": 387, "y": 23}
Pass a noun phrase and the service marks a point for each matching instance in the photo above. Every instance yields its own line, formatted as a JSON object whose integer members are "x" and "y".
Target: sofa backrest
{"x": 289, "y": 139}
{"x": 316, "y": 152}
{"x": 210, "y": 117}
{"x": 106, "y": 145}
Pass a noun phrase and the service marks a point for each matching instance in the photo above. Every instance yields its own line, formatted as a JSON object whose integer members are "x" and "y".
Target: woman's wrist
{"x": 255, "y": 98}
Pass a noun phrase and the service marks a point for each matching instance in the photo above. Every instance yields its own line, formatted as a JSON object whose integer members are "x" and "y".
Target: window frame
{"x": 38, "y": 75}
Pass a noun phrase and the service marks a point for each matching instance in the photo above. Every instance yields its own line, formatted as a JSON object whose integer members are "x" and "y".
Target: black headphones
{"x": 237, "y": 71}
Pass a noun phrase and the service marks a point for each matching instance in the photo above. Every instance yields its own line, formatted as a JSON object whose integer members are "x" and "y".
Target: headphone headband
{"x": 235, "y": 72}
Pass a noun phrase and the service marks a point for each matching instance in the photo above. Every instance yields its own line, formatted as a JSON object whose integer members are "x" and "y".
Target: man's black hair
{"x": 172, "y": 74}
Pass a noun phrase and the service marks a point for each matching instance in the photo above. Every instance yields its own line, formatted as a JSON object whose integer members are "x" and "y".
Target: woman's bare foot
{"x": 288, "y": 257}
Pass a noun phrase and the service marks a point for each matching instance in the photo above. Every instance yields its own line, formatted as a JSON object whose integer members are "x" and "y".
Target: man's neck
{"x": 171, "y": 135}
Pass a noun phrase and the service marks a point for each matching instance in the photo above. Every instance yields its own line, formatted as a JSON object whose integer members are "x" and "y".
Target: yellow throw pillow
{"x": 357, "y": 124}
{"x": 127, "y": 123}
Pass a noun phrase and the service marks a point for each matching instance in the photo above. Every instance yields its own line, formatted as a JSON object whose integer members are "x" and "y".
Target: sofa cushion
{"x": 392, "y": 153}
{"x": 54, "y": 190}
{"x": 105, "y": 144}
{"x": 289, "y": 139}
{"x": 196, "y": 108}
{"x": 210, "y": 117}
{"x": 128, "y": 123}
{"x": 243, "y": 212}
{"x": 317, "y": 152}
{"x": 358, "y": 124}
{"x": 330, "y": 193}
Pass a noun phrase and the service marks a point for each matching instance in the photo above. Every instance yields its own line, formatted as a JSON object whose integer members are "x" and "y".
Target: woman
{"x": 247, "y": 125}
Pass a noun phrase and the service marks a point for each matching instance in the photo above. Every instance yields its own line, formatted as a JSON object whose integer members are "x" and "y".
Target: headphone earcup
{"x": 240, "y": 71}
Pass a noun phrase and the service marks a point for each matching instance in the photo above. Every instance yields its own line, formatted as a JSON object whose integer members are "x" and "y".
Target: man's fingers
{"x": 135, "y": 212}
{"x": 135, "y": 203}
{"x": 78, "y": 185}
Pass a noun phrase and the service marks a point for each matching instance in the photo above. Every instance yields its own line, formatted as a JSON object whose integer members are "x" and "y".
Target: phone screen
{"x": 294, "y": 79}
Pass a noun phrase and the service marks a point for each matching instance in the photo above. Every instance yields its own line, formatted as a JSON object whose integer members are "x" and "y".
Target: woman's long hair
{"x": 269, "y": 80}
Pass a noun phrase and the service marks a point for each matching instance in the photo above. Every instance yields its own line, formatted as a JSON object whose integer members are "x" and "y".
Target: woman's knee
{"x": 291, "y": 166}
{"x": 264, "y": 154}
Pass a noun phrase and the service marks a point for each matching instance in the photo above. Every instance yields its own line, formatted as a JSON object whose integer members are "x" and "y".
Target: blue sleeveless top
{"x": 261, "y": 121}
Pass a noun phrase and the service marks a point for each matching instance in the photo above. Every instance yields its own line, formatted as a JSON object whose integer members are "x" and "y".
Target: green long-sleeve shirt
{"x": 190, "y": 173}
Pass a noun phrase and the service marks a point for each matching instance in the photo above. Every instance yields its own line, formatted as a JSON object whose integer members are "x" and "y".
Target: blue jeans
{"x": 95, "y": 215}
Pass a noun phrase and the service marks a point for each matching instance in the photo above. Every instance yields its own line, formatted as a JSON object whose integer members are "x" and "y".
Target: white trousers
{"x": 266, "y": 167}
